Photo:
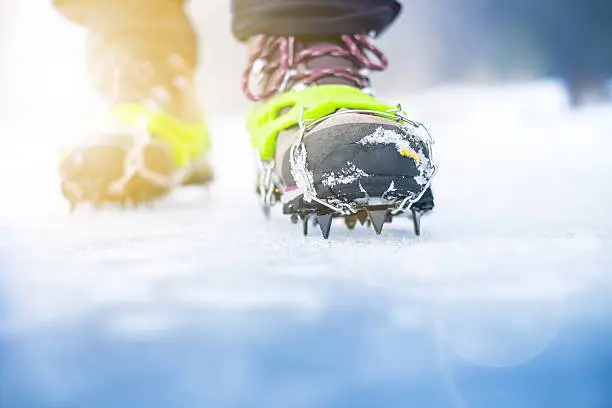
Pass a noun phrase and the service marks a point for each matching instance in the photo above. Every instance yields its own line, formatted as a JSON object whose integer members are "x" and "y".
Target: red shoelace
{"x": 278, "y": 54}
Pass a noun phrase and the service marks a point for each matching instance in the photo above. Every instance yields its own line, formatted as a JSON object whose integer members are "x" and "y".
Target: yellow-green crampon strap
{"x": 188, "y": 141}
{"x": 265, "y": 122}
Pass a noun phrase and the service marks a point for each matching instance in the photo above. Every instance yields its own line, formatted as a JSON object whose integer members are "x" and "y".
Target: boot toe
{"x": 361, "y": 162}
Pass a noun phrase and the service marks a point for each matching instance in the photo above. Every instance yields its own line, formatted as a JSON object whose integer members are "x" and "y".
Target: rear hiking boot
{"x": 327, "y": 147}
{"x": 143, "y": 157}
{"x": 155, "y": 138}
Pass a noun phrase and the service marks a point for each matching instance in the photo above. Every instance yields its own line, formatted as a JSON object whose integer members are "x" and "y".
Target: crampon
{"x": 126, "y": 170}
{"x": 365, "y": 182}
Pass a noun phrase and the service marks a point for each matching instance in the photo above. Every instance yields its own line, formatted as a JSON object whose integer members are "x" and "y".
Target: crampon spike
{"x": 266, "y": 211}
{"x": 295, "y": 219}
{"x": 325, "y": 222}
{"x": 389, "y": 217}
{"x": 416, "y": 222}
{"x": 350, "y": 221}
{"x": 305, "y": 219}
{"x": 362, "y": 216}
{"x": 378, "y": 219}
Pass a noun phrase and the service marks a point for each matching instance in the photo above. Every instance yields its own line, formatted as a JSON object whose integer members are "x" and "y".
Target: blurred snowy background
{"x": 504, "y": 301}
{"x": 432, "y": 43}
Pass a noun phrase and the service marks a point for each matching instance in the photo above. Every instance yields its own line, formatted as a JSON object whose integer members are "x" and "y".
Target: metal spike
{"x": 378, "y": 219}
{"x": 416, "y": 222}
{"x": 350, "y": 221}
{"x": 362, "y": 216}
{"x": 325, "y": 222}
{"x": 266, "y": 211}
{"x": 295, "y": 219}
{"x": 305, "y": 219}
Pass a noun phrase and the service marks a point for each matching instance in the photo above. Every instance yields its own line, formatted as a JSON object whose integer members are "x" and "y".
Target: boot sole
{"x": 89, "y": 175}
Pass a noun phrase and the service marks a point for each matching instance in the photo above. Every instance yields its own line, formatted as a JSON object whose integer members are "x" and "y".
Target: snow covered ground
{"x": 504, "y": 301}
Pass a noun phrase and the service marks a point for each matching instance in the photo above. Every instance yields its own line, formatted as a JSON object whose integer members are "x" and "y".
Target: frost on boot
{"x": 327, "y": 146}
{"x": 153, "y": 137}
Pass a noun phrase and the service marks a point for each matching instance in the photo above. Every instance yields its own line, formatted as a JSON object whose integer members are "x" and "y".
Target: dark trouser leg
{"x": 136, "y": 46}
{"x": 311, "y": 17}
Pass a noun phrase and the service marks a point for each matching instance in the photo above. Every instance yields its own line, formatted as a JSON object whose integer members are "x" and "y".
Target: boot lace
{"x": 276, "y": 59}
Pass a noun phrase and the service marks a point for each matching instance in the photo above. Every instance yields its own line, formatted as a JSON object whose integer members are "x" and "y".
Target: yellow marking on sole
{"x": 410, "y": 153}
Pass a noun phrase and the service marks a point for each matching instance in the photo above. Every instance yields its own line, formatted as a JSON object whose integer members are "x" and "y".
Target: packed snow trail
{"x": 199, "y": 301}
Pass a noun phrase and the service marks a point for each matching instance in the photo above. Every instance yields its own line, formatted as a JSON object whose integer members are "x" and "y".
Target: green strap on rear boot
{"x": 188, "y": 140}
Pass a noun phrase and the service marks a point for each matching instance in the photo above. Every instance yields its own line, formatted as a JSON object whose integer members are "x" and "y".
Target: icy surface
{"x": 199, "y": 301}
